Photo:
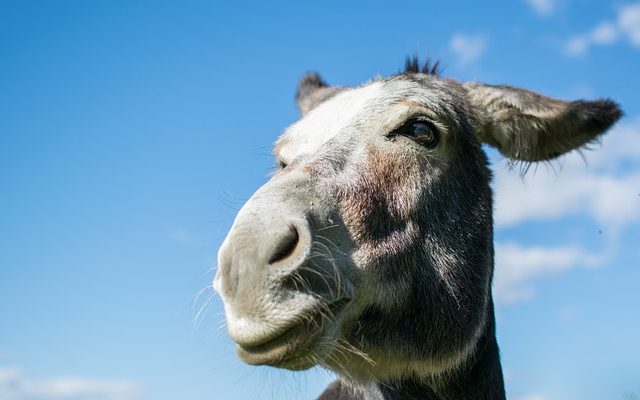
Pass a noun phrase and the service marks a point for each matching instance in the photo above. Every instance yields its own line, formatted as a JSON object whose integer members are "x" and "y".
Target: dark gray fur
{"x": 459, "y": 220}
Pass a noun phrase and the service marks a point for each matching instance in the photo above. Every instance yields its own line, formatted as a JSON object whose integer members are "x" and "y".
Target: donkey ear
{"x": 527, "y": 126}
{"x": 312, "y": 90}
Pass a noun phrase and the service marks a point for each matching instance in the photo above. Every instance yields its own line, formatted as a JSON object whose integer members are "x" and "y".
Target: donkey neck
{"x": 479, "y": 379}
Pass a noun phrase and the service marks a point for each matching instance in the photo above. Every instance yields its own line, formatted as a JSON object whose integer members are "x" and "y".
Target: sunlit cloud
{"x": 544, "y": 8}
{"x": 625, "y": 27}
{"x": 534, "y": 397}
{"x": 468, "y": 48}
{"x": 14, "y": 385}
{"x": 603, "y": 187}
{"x": 518, "y": 267}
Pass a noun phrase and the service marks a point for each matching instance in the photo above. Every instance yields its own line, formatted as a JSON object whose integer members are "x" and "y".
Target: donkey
{"x": 370, "y": 250}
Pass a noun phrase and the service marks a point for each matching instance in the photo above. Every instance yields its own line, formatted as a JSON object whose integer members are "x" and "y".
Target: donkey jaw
{"x": 300, "y": 343}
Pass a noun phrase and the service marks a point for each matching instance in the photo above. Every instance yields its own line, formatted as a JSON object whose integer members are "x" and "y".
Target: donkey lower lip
{"x": 277, "y": 349}
{"x": 290, "y": 343}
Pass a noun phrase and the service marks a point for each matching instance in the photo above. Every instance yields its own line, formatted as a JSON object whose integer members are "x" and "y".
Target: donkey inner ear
{"x": 528, "y": 126}
{"x": 313, "y": 90}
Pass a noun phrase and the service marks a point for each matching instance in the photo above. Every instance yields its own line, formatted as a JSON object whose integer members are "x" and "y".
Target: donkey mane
{"x": 429, "y": 67}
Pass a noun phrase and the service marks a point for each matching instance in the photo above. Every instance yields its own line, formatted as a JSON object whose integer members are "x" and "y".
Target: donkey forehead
{"x": 379, "y": 106}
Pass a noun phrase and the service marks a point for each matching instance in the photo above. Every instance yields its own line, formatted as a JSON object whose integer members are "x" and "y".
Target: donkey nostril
{"x": 286, "y": 245}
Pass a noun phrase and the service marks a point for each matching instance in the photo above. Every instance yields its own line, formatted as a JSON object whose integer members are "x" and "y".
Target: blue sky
{"x": 132, "y": 131}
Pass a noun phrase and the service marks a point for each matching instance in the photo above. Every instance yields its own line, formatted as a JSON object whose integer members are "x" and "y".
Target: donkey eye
{"x": 423, "y": 132}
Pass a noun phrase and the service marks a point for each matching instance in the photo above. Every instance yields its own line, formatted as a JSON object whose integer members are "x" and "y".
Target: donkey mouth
{"x": 297, "y": 346}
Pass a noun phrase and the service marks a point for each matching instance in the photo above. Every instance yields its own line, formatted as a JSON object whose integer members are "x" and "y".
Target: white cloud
{"x": 14, "y": 385}
{"x": 605, "y": 33}
{"x": 605, "y": 189}
{"x": 517, "y": 267}
{"x": 468, "y": 47}
{"x": 629, "y": 23}
{"x": 544, "y": 8}
{"x": 626, "y": 26}
{"x": 578, "y": 45}
{"x": 599, "y": 188}
{"x": 568, "y": 313}
{"x": 534, "y": 397}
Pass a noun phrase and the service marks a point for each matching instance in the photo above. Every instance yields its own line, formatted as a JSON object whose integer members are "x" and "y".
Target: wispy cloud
{"x": 605, "y": 190}
{"x": 14, "y": 385}
{"x": 517, "y": 267}
{"x": 629, "y": 23}
{"x": 468, "y": 48}
{"x": 625, "y": 27}
{"x": 544, "y": 8}
{"x": 534, "y": 397}
{"x": 186, "y": 238}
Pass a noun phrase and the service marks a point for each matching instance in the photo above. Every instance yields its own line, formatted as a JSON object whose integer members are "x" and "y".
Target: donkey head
{"x": 370, "y": 251}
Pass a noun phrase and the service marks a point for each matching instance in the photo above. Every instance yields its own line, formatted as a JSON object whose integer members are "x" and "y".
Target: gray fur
{"x": 372, "y": 255}
{"x": 527, "y": 126}
{"x": 312, "y": 91}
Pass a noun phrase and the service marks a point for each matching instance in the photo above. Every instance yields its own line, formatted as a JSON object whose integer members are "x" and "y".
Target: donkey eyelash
{"x": 410, "y": 120}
